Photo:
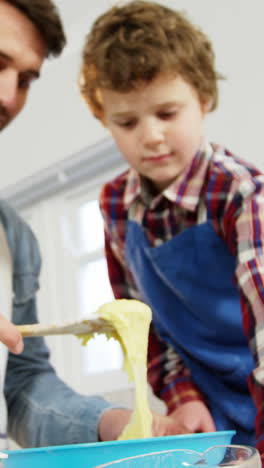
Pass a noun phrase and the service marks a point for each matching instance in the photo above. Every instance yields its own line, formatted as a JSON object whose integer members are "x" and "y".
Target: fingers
{"x": 10, "y": 336}
{"x": 195, "y": 416}
{"x": 208, "y": 425}
{"x": 112, "y": 423}
{"x": 174, "y": 429}
{"x": 204, "y": 423}
{"x": 165, "y": 426}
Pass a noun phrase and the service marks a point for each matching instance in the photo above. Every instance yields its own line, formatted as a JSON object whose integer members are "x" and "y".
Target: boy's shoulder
{"x": 231, "y": 175}
{"x": 113, "y": 193}
{"x": 226, "y": 161}
{"x": 118, "y": 183}
{"x": 229, "y": 165}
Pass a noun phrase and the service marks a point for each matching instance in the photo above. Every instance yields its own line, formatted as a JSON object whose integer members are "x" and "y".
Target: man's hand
{"x": 10, "y": 336}
{"x": 195, "y": 416}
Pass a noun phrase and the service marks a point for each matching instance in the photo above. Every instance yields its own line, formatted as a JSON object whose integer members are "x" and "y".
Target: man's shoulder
{"x": 8, "y": 214}
{"x": 11, "y": 220}
{"x": 21, "y": 240}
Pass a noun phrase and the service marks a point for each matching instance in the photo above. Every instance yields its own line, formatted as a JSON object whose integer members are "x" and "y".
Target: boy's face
{"x": 158, "y": 127}
{"x": 22, "y": 51}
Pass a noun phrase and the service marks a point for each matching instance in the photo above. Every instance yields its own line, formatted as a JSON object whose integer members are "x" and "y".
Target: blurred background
{"x": 56, "y": 156}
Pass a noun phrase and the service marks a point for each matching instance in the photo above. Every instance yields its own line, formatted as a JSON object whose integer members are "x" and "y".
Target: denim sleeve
{"x": 42, "y": 409}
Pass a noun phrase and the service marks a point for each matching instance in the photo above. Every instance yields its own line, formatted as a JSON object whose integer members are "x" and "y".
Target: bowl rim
{"x": 157, "y": 440}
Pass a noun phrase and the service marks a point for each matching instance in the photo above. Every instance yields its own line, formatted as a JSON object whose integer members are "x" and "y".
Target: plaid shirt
{"x": 234, "y": 191}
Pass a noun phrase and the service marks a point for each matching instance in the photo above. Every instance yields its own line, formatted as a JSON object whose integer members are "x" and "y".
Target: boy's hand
{"x": 10, "y": 336}
{"x": 195, "y": 416}
{"x": 112, "y": 423}
{"x": 167, "y": 425}
{"x": 114, "y": 420}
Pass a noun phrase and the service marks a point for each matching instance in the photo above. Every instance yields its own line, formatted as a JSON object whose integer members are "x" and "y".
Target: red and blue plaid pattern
{"x": 231, "y": 191}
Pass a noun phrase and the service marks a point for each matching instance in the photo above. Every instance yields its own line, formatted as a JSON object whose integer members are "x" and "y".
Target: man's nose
{"x": 8, "y": 91}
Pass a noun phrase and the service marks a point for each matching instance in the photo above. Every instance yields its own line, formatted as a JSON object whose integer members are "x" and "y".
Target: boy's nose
{"x": 152, "y": 133}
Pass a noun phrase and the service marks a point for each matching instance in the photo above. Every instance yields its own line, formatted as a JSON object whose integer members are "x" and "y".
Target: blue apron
{"x": 188, "y": 283}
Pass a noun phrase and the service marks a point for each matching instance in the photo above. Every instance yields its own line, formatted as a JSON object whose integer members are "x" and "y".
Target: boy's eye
{"x": 166, "y": 114}
{"x": 127, "y": 123}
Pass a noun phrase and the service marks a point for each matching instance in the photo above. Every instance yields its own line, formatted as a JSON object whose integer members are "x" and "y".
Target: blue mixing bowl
{"x": 91, "y": 455}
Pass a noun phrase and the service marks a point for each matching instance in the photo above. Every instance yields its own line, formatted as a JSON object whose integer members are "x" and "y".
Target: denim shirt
{"x": 42, "y": 409}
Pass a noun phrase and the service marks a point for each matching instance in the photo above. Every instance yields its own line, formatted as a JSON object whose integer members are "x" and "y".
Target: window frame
{"x": 61, "y": 259}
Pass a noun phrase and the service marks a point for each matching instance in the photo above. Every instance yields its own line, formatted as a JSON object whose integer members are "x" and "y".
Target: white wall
{"x": 56, "y": 123}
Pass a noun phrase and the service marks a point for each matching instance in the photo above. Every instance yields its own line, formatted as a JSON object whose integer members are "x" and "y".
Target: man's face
{"x": 22, "y": 51}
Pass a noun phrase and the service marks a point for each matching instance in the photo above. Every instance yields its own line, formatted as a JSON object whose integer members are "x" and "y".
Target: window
{"x": 74, "y": 283}
{"x": 94, "y": 288}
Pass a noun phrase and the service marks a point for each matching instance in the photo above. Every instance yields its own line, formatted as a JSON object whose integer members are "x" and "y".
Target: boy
{"x": 184, "y": 225}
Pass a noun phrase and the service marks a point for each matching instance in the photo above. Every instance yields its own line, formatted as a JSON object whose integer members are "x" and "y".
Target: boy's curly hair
{"x": 135, "y": 42}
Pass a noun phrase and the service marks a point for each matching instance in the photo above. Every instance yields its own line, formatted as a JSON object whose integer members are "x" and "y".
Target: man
{"x": 42, "y": 410}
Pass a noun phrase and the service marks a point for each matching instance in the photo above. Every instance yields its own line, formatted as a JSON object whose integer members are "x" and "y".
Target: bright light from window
{"x": 91, "y": 232}
{"x": 94, "y": 285}
{"x": 101, "y": 354}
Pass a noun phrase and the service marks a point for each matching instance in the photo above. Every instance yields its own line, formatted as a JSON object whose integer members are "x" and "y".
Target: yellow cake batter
{"x": 131, "y": 320}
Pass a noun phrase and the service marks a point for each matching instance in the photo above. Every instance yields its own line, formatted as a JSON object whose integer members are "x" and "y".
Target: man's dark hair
{"x": 45, "y": 16}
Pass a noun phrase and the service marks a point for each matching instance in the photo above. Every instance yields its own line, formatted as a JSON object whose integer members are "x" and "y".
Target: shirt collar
{"x": 184, "y": 191}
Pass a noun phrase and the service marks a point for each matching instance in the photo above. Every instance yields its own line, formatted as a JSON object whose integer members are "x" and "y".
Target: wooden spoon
{"x": 81, "y": 327}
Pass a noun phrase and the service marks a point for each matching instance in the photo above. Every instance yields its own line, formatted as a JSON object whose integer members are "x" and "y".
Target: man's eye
{"x": 2, "y": 66}
{"x": 25, "y": 82}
